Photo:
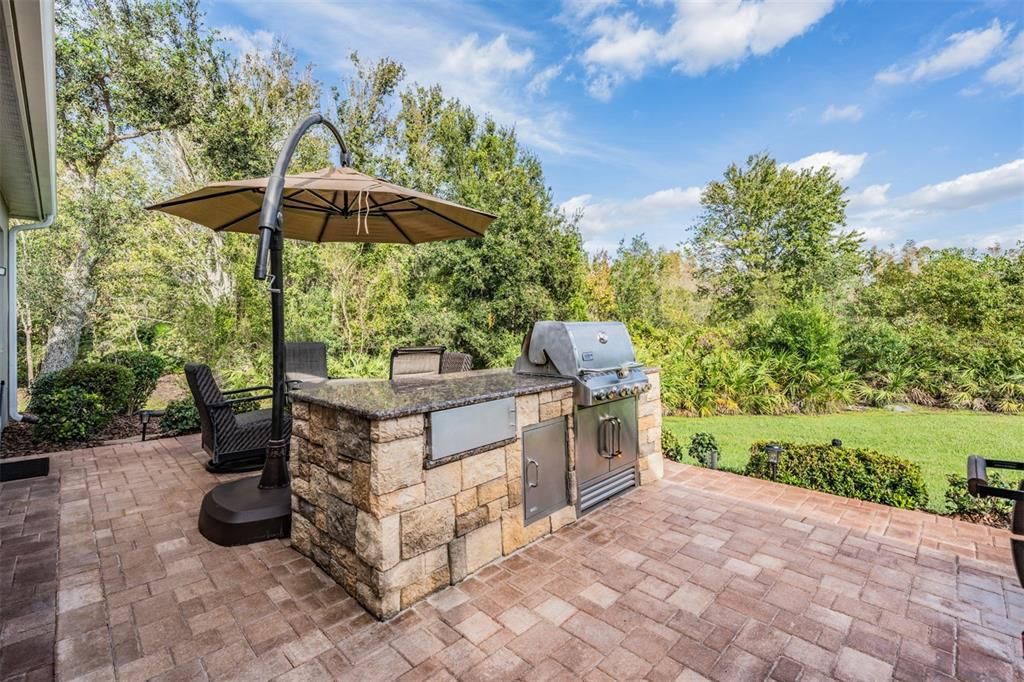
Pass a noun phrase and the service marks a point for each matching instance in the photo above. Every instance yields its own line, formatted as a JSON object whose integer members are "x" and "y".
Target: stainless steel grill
{"x": 599, "y": 358}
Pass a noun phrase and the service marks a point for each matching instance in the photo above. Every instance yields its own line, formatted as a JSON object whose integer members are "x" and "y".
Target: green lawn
{"x": 938, "y": 440}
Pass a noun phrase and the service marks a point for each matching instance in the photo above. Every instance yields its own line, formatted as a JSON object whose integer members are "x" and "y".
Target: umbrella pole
{"x": 275, "y": 468}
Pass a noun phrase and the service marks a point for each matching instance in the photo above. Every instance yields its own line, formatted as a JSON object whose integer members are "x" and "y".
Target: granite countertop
{"x": 383, "y": 399}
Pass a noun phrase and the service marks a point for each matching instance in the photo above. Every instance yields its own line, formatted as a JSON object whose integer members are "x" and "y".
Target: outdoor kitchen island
{"x": 400, "y": 488}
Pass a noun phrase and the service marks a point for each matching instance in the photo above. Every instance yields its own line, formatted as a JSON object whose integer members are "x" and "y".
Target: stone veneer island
{"x": 391, "y": 525}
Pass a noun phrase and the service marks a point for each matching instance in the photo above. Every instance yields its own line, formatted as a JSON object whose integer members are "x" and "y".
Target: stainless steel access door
{"x": 606, "y": 438}
{"x": 545, "y": 465}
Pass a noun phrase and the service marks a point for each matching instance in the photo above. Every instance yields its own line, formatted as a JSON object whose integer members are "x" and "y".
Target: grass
{"x": 938, "y": 440}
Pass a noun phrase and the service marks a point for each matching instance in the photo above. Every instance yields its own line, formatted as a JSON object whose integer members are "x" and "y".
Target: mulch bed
{"x": 18, "y": 440}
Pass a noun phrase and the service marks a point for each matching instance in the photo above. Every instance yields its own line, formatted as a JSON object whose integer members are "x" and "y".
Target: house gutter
{"x": 12, "y": 306}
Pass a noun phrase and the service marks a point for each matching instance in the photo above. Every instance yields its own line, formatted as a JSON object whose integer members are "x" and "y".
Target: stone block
{"x": 378, "y": 541}
{"x": 471, "y": 520}
{"x": 527, "y": 410}
{"x": 301, "y": 535}
{"x": 573, "y": 489}
{"x": 492, "y": 490}
{"x": 466, "y": 501}
{"x": 396, "y": 464}
{"x": 383, "y": 606}
{"x": 567, "y": 405}
{"x": 655, "y": 469}
{"x": 645, "y": 423}
{"x": 515, "y": 535}
{"x": 483, "y": 546}
{"x": 430, "y": 583}
{"x": 351, "y": 439}
{"x": 300, "y": 410}
{"x": 396, "y": 429}
{"x": 397, "y": 501}
{"x": 340, "y": 488}
{"x": 563, "y": 517}
{"x": 515, "y": 492}
{"x": 486, "y": 466}
{"x": 495, "y": 508}
{"x": 409, "y": 571}
{"x": 443, "y": 481}
{"x": 361, "y": 485}
{"x": 427, "y": 527}
{"x": 300, "y": 429}
{"x": 457, "y": 559}
{"x": 341, "y": 521}
{"x": 550, "y": 410}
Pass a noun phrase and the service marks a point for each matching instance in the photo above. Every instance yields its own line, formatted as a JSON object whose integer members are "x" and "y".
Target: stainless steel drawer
{"x": 471, "y": 427}
{"x": 545, "y": 465}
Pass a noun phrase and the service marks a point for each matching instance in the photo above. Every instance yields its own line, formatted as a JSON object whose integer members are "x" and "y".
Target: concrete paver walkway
{"x": 704, "y": 574}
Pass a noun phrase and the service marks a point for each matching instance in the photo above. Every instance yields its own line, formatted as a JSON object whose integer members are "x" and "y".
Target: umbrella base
{"x": 241, "y": 513}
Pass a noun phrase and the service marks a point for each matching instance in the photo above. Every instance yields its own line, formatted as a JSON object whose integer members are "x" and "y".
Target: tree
{"x": 767, "y": 230}
{"x": 125, "y": 70}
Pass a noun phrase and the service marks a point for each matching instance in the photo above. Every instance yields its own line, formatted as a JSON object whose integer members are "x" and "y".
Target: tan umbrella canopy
{"x": 332, "y": 205}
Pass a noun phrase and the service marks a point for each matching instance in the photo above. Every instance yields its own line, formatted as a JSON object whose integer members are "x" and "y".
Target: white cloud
{"x": 1007, "y": 238}
{"x": 851, "y": 112}
{"x": 845, "y": 166}
{"x": 247, "y": 42}
{"x": 488, "y": 60}
{"x": 973, "y": 189}
{"x": 541, "y": 80}
{"x": 1010, "y": 71}
{"x": 675, "y": 206}
{"x": 870, "y": 196}
{"x": 701, "y": 36}
{"x": 964, "y": 50}
{"x": 887, "y": 219}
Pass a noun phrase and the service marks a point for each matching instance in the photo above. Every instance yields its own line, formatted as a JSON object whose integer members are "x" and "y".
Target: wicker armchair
{"x": 456, "y": 362}
{"x": 416, "y": 361}
{"x": 305, "y": 362}
{"x": 235, "y": 442}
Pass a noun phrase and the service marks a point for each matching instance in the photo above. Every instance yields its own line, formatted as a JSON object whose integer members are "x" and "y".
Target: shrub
{"x": 180, "y": 416}
{"x": 102, "y": 388}
{"x": 111, "y": 382}
{"x": 850, "y": 472}
{"x": 704, "y": 449}
{"x": 671, "y": 448}
{"x": 994, "y": 511}
{"x": 69, "y": 414}
{"x": 146, "y": 369}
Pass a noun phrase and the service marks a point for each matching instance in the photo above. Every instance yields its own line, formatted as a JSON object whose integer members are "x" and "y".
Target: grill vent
{"x": 595, "y": 492}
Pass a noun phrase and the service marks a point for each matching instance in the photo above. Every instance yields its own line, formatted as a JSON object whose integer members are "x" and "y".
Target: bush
{"x": 112, "y": 383}
{"x": 995, "y": 511}
{"x": 103, "y": 389}
{"x": 146, "y": 369}
{"x": 851, "y": 472}
{"x": 69, "y": 414}
{"x": 671, "y": 448}
{"x": 180, "y": 416}
{"x": 704, "y": 449}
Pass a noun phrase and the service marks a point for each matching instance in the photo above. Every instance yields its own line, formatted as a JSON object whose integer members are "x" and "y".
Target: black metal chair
{"x": 305, "y": 362}
{"x": 415, "y": 361}
{"x": 456, "y": 362}
{"x": 977, "y": 485}
{"x": 235, "y": 442}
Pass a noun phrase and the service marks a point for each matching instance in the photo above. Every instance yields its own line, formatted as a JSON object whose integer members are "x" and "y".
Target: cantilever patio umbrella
{"x": 330, "y": 205}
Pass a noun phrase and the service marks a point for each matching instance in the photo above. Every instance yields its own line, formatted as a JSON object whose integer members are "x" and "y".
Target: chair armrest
{"x": 236, "y": 401}
{"x": 247, "y": 390}
{"x": 977, "y": 478}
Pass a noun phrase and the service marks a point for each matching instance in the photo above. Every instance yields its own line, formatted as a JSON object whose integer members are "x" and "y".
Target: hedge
{"x": 146, "y": 369}
{"x": 851, "y": 472}
{"x": 75, "y": 404}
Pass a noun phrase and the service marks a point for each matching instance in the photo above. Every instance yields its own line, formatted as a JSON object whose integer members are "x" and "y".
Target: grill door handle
{"x": 606, "y": 437}
{"x": 536, "y": 478}
{"x": 618, "y": 437}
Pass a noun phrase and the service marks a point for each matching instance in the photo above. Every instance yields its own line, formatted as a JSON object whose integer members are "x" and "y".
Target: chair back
{"x": 205, "y": 392}
{"x": 456, "y": 362}
{"x": 413, "y": 361}
{"x": 306, "y": 360}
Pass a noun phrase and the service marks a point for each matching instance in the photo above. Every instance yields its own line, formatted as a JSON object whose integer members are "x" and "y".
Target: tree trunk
{"x": 61, "y": 349}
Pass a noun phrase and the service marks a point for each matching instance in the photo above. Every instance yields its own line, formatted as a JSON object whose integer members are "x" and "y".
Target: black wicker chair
{"x": 306, "y": 362}
{"x": 415, "y": 361}
{"x": 456, "y": 362}
{"x": 235, "y": 442}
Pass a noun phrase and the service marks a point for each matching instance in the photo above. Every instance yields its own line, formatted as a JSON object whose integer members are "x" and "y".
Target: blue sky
{"x": 634, "y": 106}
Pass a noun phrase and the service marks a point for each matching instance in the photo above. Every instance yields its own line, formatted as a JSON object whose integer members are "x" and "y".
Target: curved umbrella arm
{"x": 270, "y": 210}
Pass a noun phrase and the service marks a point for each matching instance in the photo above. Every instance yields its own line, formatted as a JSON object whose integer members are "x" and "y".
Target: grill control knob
{"x": 635, "y": 390}
{"x": 600, "y": 395}
{"x": 612, "y": 393}
{"x": 646, "y": 388}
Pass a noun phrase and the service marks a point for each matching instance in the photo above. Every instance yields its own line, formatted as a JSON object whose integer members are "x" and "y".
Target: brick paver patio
{"x": 704, "y": 574}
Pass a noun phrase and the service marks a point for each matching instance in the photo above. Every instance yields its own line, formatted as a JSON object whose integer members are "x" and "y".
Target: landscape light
{"x": 773, "y": 451}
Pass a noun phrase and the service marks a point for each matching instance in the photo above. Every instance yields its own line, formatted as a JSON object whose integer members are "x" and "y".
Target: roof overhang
{"x": 27, "y": 108}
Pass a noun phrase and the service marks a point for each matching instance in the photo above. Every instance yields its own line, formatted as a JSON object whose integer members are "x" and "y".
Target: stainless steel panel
{"x": 545, "y": 465}
{"x": 472, "y": 426}
{"x": 606, "y": 438}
